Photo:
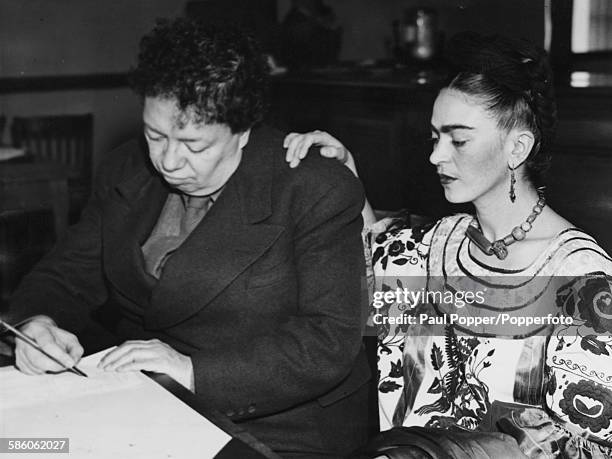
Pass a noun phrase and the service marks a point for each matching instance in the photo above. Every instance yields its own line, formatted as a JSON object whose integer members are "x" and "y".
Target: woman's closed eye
{"x": 459, "y": 143}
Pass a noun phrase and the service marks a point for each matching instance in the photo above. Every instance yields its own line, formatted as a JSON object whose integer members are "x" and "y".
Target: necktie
{"x": 178, "y": 219}
{"x": 195, "y": 209}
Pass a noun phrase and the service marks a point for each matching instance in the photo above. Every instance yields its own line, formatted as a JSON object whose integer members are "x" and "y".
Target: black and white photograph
{"x": 246, "y": 229}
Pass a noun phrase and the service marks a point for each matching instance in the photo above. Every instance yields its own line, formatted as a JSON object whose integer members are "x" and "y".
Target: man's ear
{"x": 244, "y": 138}
{"x": 520, "y": 145}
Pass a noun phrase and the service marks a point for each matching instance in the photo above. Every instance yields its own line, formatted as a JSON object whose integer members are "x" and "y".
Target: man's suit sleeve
{"x": 316, "y": 348}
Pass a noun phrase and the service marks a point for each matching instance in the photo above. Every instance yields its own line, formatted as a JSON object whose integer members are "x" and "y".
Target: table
{"x": 242, "y": 446}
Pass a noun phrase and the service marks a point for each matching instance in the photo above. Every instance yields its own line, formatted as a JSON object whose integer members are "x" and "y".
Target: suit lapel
{"x": 126, "y": 229}
{"x": 229, "y": 239}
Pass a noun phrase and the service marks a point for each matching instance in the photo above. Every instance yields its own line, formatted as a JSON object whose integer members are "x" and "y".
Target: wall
{"x": 72, "y": 37}
{"x": 77, "y": 37}
{"x": 367, "y": 23}
{"x": 59, "y": 37}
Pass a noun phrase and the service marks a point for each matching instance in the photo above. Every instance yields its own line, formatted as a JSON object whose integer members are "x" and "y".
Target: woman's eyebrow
{"x": 450, "y": 127}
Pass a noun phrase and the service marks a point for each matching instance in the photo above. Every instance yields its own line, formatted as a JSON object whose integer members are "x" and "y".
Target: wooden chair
{"x": 33, "y": 213}
{"x": 65, "y": 139}
{"x": 2, "y": 123}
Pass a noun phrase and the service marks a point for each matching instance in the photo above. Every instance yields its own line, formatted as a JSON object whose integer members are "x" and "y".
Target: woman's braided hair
{"x": 514, "y": 79}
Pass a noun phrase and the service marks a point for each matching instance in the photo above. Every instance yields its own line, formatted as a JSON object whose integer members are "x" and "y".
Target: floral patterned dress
{"x": 451, "y": 377}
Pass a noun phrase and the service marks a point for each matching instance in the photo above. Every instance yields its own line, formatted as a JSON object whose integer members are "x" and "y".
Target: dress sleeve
{"x": 399, "y": 259}
{"x": 368, "y": 236}
{"x": 579, "y": 366}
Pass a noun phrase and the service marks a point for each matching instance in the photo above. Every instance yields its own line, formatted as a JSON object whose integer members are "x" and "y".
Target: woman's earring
{"x": 512, "y": 193}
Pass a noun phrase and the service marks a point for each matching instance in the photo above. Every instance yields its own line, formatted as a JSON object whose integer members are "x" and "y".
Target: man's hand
{"x": 152, "y": 355}
{"x": 59, "y": 343}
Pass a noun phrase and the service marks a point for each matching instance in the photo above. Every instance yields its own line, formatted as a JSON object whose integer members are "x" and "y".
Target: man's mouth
{"x": 175, "y": 180}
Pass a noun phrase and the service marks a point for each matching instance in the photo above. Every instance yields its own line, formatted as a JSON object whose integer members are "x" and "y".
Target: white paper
{"x": 107, "y": 415}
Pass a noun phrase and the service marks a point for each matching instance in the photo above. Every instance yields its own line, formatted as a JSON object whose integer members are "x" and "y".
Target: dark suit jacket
{"x": 265, "y": 295}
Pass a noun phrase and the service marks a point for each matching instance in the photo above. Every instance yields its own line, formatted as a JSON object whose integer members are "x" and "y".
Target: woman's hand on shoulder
{"x": 297, "y": 146}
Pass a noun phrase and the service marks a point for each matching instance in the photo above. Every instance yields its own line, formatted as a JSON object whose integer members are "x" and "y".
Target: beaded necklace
{"x": 499, "y": 247}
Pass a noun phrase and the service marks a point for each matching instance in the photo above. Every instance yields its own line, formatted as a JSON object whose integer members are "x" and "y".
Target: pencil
{"x": 35, "y": 345}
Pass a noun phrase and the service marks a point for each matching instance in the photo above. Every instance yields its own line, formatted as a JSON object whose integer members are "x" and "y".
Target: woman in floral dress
{"x": 445, "y": 387}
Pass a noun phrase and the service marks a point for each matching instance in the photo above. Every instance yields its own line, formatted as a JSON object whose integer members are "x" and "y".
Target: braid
{"x": 514, "y": 79}
{"x": 541, "y": 99}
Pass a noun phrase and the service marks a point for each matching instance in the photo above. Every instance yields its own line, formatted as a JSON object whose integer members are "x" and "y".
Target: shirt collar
{"x": 185, "y": 198}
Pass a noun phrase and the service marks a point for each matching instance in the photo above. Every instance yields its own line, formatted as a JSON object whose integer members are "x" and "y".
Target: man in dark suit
{"x": 224, "y": 268}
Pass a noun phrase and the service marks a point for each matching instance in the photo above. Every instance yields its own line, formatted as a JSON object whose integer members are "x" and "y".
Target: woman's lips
{"x": 446, "y": 179}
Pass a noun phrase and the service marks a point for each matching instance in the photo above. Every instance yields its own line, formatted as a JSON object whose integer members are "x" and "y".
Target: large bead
{"x": 518, "y": 233}
{"x": 508, "y": 240}
{"x": 500, "y": 250}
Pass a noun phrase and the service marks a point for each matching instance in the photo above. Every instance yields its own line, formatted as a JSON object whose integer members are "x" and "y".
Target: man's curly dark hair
{"x": 216, "y": 75}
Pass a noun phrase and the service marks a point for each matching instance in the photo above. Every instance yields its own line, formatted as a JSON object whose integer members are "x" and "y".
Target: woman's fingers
{"x": 289, "y": 137}
{"x": 289, "y": 145}
{"x": 292, "y": 143}
{"x": 297, "y": 146}
{"x": 340, "y": 154}
{"x": 302, "y": 150}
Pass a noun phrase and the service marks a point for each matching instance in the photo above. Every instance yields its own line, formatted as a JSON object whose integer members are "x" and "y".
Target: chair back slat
{"x": 66, "y": 139}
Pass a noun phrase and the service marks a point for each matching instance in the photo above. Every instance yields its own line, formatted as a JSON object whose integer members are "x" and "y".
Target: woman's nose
{"x": 439, "y": 153}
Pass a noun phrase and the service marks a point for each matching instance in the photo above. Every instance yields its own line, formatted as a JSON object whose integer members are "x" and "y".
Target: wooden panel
{"x": 386, "y": 126}
{"x": 591, "y": 134}
{"x": 580, "y": 190}
{"x": 63, "y": 83}
{"x": 256, "y": 17}
{"x": 373, "y": 144}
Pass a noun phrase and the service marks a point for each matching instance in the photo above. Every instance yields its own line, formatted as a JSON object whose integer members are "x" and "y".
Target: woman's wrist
{"x": 350, "y": 163}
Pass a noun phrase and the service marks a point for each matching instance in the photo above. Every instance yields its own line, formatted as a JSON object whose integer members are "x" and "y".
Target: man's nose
{"x": 172, "y": 157}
